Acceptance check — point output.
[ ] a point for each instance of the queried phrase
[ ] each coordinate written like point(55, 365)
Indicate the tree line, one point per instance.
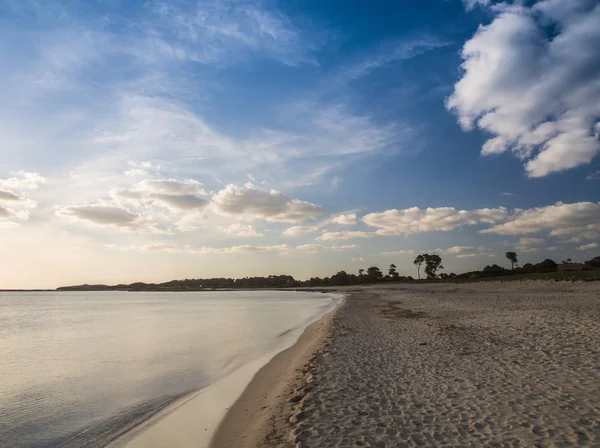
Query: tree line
point(373, 274)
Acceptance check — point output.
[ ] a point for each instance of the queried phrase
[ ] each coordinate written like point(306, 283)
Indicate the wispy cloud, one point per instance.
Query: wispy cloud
point(389, 52)
point(225, 31)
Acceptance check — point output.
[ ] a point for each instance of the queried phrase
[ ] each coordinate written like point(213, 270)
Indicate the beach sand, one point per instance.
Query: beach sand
point(256, 417)
point(513, 364)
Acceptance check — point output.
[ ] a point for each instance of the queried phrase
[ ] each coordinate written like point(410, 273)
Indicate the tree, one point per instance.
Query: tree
point(361, 272)
point(393, 273)
point(567, 261)
point(341, 278)
point(418, 262)
point(594, 262)
point(512, 256)
point(547, 265)
point(433, 262)
point(375, 273)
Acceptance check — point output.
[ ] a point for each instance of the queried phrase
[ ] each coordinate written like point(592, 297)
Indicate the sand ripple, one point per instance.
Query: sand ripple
point(499, 365)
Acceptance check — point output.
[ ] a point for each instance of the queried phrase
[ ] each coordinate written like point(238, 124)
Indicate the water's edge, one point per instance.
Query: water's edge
point(137, 432)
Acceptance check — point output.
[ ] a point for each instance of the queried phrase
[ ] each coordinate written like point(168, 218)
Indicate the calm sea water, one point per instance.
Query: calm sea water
point(79, 369)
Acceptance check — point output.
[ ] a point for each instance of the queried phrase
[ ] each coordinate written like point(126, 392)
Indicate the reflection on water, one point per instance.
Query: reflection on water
point(79, 368)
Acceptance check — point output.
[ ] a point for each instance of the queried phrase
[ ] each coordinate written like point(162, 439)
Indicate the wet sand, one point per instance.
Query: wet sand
point(513, 364)
point(256, 417)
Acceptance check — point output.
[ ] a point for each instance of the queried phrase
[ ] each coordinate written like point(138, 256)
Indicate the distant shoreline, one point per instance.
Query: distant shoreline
point(288, 283)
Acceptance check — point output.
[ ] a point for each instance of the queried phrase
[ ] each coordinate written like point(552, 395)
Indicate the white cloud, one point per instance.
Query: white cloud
point(529, 249)
point(346, 219)
point(415, 220)
point(476, 254)
point(559, 220)
point(536, 93)
point(23, 180)
point(463, 251)
point(457, 249)
point(358, 259)
point(12, 199)
point(16, 199)
point(341, 248)
point(588, 246)
point(584, 236)
point(282, 249)
point(7, 195)
point(109, 215)
point(176, 195)
point(141, 169)
point(345, 235)
point(526, 250)
point(300, 230)
point(594, 176)
point(8, 213)
point(531, 241)
point(241, 230)
point(191, 221)
point(244, 249)
point(305, 249)
point(250, 203)
point(507, 194)
point(399, 252)
point(155, 247)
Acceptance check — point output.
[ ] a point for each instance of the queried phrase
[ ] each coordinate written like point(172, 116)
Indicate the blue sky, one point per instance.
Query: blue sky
point(150, 140)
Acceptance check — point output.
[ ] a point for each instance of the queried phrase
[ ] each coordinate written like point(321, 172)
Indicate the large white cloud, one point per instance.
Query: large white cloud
point(177, 195)
point(561, 220)
point(415, 220)
point(531, 80)
point(110, 215)
point(251, 203)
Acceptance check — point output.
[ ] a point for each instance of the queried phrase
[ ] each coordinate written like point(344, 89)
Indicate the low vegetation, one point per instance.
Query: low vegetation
point(544, 270)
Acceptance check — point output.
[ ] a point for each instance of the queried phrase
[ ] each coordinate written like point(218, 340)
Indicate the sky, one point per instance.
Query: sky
point(156, 140)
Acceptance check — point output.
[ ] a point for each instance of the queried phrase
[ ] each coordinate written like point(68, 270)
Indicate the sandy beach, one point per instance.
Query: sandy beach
point(513, 364)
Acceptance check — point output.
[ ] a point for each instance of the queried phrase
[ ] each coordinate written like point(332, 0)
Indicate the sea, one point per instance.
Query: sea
point(81, 369)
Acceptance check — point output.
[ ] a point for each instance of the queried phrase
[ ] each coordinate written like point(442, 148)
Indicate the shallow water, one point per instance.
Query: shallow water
point(79, 369)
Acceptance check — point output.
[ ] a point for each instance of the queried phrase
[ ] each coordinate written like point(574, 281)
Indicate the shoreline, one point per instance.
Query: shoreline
point(259, 414)
point(194, 419)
